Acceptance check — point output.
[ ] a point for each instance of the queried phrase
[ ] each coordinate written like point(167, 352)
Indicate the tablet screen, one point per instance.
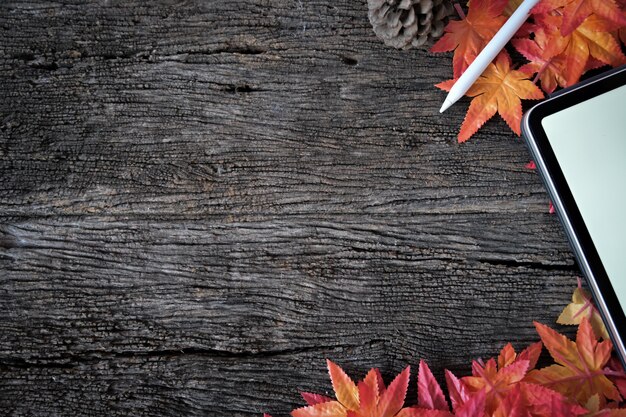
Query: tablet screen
point(589, 142)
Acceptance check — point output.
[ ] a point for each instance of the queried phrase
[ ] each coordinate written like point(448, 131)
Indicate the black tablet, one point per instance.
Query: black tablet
point(578, 141)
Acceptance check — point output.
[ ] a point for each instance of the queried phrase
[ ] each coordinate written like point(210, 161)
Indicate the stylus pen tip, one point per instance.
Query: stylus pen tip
point(446, 104)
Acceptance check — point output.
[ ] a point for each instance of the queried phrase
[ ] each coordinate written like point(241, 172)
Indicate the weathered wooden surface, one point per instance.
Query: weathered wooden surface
point(200, 201)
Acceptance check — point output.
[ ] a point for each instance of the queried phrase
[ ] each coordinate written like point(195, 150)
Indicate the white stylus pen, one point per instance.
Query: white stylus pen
point(487, 55)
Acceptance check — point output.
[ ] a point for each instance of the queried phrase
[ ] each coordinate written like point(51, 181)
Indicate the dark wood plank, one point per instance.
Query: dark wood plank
point(200, 201)
point(263, 286)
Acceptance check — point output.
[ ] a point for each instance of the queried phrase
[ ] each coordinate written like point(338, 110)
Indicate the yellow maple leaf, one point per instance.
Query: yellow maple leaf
point(582, 307)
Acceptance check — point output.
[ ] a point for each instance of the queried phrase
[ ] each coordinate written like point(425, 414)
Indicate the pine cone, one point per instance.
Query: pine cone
point(406, 24)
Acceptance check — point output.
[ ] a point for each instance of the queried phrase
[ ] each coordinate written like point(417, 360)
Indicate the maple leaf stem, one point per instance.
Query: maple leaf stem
point(459, 10)
point(558, 357)
point(588, 305)
point(611, 372)
point(541, 71)
point(481, 373)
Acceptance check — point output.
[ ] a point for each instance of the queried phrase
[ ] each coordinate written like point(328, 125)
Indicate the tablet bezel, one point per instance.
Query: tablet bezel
point(563, 200)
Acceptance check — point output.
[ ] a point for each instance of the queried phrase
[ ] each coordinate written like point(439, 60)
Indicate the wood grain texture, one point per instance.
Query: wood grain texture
point(200, 201)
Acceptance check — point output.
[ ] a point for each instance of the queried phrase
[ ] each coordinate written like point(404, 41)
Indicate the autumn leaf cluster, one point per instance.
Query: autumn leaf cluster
point(562, 40)
point(583, 380)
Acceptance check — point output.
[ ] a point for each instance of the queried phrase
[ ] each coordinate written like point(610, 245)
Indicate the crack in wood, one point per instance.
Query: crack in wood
point(73, 360)
point(512, 263)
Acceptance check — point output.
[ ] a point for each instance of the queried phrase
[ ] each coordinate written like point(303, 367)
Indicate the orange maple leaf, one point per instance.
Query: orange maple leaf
point(561, 60)
point(546, 59)
point(467, 37)
point(498, 379)
point(587, 40)
point(576, 11)
point(579, 372)
point(495, 382)
point(508, 356)
point(499, 89)
point(368, 398)
point(506, 393)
